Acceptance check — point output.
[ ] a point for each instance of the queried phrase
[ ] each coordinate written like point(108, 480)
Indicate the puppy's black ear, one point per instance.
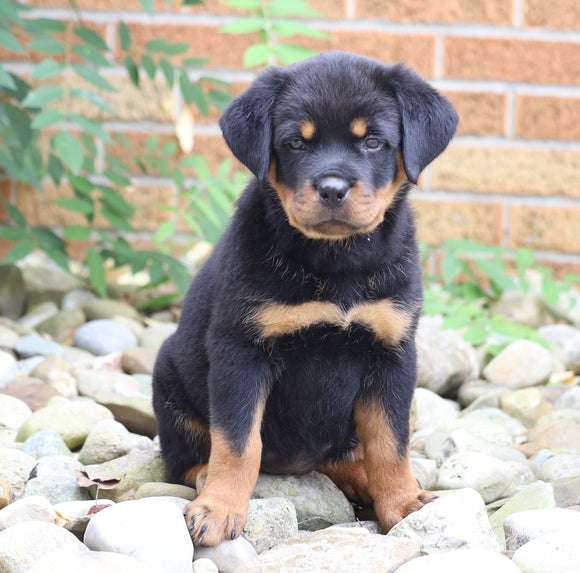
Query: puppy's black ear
point(246, 123)
point(428, 120)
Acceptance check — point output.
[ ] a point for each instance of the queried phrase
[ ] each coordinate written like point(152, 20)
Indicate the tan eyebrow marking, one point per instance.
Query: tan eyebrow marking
point(307, 129)
point(359, 126)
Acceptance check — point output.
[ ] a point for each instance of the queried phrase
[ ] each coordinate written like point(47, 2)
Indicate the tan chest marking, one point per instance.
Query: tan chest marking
point(389, 323)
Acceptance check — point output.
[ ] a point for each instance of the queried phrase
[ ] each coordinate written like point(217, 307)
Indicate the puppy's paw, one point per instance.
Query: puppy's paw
point(211, 520)
point(422, 498)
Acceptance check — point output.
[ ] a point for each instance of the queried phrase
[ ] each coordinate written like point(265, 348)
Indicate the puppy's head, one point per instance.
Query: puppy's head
point(336, 136)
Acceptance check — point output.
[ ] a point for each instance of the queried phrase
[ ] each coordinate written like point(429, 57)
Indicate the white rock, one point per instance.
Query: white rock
point(75, 509)
point(8, 368)
point(454, 521)
point(565, 341)
point(523, 363)
point(433, 410)
point(62, 561)
point(140, 528)
point(16, 466)
point(31, 508)
point(13, 413)
point(468, 560)
point(485, 474)
point(204, 566)
point(561, 466)
point(23, 544)
point(556, 552)
point(107, 440)
point(228, 555)
point(524, 526)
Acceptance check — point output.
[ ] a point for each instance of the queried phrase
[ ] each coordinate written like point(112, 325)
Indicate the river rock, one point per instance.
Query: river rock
point(34, 345)
point(12, 291)
point(8, 337)
point(318, 502)
point(13, 413)
point(139, 528)
point(31, 508)
point(455, 521)
point(270, 521)
point(23, 544)
point(432, 410)
point(107, 440)
point(76, 299)
point(65, 561)
point(45, 443)
point(99, 308)
point(444, 359)
point(335, 549)
point(8, 369)
point(557, 434)
point(139, 360)
point(102, 337)
point(561, 466)
point(526, 405)
point(37, 314)
point(32, 392)
point(524, 526)
point(228, 556)
point(565, 342)
point(15, 468)
point(474, 390)
point(555, 552)
point(160, 489)
point(73, 420)
point(472, 560)
point(155, 336)
point(569, 399)
point(62, 325)
point(523, 363)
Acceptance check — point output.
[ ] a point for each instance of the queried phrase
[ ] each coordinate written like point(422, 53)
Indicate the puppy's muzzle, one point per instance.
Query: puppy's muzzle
point(332, 191)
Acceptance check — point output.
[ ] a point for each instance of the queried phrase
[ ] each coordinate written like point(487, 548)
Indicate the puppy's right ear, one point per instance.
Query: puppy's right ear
point(246, 123)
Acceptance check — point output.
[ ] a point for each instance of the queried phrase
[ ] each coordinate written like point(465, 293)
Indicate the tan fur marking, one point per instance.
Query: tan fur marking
point(359, 126)
point(221, 509)
point(390, 483)
point(389, 324)
point(307, 129)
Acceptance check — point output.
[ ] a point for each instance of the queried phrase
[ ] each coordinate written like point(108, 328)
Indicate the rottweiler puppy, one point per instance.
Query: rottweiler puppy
point(295, 348)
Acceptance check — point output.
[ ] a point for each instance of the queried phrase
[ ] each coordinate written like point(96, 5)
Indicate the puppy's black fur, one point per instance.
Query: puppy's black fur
point(295, 349)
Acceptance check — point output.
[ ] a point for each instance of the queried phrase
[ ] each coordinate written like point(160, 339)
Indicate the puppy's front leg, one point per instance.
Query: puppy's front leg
point(237, 406)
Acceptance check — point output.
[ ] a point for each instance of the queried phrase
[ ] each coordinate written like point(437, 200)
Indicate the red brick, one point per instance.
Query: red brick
point(540, 117)
point(547, 228)
point(480, 113)
point(445, 11)
point(512, 60)
point(563, 16)
point(438, 221)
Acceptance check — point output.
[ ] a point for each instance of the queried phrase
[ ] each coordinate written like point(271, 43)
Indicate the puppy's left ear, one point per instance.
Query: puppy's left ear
point(246, 123)
point(428, 120)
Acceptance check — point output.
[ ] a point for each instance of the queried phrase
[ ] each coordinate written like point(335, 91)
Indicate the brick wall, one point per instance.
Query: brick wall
point(512, 68)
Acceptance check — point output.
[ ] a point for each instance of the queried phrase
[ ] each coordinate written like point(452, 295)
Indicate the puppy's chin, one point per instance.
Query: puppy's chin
point(333, 230)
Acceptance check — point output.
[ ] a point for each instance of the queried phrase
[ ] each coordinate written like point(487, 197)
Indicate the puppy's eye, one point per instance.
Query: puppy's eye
point(372, 142)
point(296, 144)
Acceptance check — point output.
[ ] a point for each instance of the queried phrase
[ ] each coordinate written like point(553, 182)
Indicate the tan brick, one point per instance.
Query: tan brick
point(489, 12)
point(41, 208)
point(417, 51)
point(438, 221)
point(549, 228)
point(548, 117)
point(563, 16)
point(517, 171)
point(479, 113)
point(512, 60)
point(112, 5)
point(223, 50)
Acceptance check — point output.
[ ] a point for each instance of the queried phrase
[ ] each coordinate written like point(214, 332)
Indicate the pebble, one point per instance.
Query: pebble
point(13, 413)
point(12, 291)
point(433, 410)
point(8, 337)
point(139, 360)
point(37, 314)
point(561, 466)
point(335, 549)
point(15, 468)
point(557, 552)
point(523, 363)
point(454, 521)
point(31, 508)
point(33, 345)
point(565, 342)
point(524, 526)
point(8, 369)
point(526, 405)
point(107, 440)
point(155, 336)
point(139, 528)
point(557, 434)
point(45, 443)
point(65, 561)
point(62, 325)
point(472, 560)
point(76, 299)
point(270, 521)
point(228, 556)
point(569, 399)
point(160, 489)
point(99, 308)
point(101, 337)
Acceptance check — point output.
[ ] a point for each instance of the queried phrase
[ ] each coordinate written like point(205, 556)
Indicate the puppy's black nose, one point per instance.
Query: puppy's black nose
point(332, 191)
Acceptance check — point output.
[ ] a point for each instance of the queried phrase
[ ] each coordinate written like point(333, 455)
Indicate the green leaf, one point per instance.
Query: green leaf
point(244, 4)
point(19, 251)
point(10, 42)
point(59, 256)
point(80, 184)
point(147, 5)
point(117, 221)
point(244, 26)
point(550, 290)
point(55, 168)
point(194, 62)
point(15, 215)
point(40, 26)
point(167, 70)
point(69, 150)
point(97, 271)
point(84, 206)
point(192, 93)
point(157, 45)
point(43, 96)
point(290, 54)
point(164, 232)
point(149, 65)
point(169, 149)
point(132, 70)
point(93, 98)
point(20, 123)
point(46, 118)
point(117, 178)
point(450, 268)
point(91, 38)
point(152, 143)
point(76, 233)
point(91, 127)
point(219, 98)
point(113, 200)
point(476, 335)
point(13, 233)
point(494, 270)
point(46, 69)
point(524, 259)
point(291, 8)
point(288, 28)
point(179, 275)
point(160, 301)
point(124, 36)
point(93, 77)
point(47, 239)
point(91, 55)
point(6, 80)
point(120, 138)
point(257, 55)
point(177, 48)
point(47, 46)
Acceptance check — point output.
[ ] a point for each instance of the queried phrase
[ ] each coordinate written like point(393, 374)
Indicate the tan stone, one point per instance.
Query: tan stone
point(480, 113)
point(542, 14)
point(547, 117)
